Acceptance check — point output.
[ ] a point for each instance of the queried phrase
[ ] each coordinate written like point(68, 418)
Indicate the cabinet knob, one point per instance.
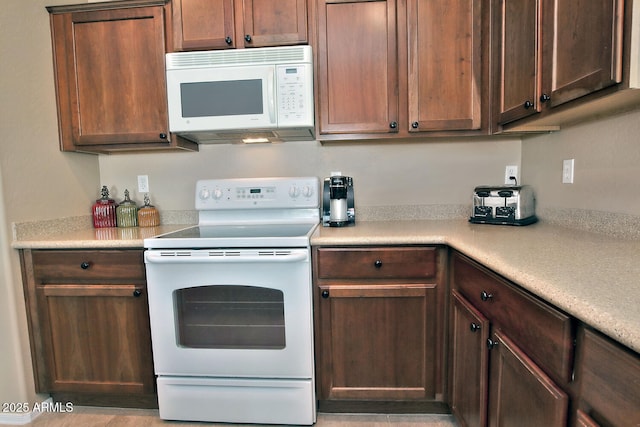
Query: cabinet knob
point(474, 327)
point(415, 125)
point(485, 296)
point(527, 105)
point(247, 38)
point(544, 97)
point(491, 343)
point(228, 40)
point(137, 293)
point(393, 125)
point(85, 265)
point(325, 294)
point(163, 135)
point(377, 263)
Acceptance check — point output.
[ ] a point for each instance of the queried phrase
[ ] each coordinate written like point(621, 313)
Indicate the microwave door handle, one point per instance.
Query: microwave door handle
point(271, 96)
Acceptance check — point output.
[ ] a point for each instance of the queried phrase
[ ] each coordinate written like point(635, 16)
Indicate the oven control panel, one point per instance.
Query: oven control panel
point(248, 193)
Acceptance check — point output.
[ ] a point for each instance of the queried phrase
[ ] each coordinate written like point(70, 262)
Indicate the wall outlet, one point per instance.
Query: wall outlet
point(567, 171)
point(143, 183)
point(511, 171)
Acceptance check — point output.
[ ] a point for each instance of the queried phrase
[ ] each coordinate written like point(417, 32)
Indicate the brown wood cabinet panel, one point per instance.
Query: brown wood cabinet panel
point(380, 342)
point(110, 77)
point(272, 23)
point(520, 394)
point(357, 79)
point(224, 24)
point(517, 31)
point(89, 327)
point(609, 380)
point(544, 333)
point(203, 24)
point(582, 42)
point(445, 64)
point(61, 266)
point(377, 263)
point(469, 363)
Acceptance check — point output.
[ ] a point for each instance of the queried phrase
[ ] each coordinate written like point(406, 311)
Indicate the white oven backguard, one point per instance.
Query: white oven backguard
point(282, 275)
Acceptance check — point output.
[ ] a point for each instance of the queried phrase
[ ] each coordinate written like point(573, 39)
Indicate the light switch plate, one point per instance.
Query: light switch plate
point(567, 171)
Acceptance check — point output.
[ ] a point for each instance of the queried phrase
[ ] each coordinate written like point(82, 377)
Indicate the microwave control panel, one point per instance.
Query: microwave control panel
point(295, 95)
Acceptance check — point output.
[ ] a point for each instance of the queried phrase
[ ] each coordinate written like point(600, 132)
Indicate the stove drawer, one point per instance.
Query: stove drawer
point(113, 266)
point(377, 263)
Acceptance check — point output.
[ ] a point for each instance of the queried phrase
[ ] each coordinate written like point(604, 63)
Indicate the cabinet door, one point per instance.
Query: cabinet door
point(469, 363)
point(110, 77)
point(445, 64)
point(520, 393)
point(98, 338)
point(274, 23)
point(203, 24)
point(357, 67)
point(518, 58)
point(582, 42)
point(377, 341)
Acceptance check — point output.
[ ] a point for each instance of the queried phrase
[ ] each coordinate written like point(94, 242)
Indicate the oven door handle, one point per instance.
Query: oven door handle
point(178, 257)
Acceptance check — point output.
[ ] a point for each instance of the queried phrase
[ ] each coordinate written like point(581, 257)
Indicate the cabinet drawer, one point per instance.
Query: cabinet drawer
point(85, 266)
point(376, 263)
point(543, 332)
point(609, 377)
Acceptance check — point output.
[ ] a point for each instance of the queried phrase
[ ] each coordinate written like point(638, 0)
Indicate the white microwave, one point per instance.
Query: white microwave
point(250, 95)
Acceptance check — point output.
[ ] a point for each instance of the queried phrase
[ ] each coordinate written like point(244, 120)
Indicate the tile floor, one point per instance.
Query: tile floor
point(116, 417)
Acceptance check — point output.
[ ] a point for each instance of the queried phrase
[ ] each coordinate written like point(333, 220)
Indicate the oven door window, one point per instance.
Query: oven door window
point(230, 317)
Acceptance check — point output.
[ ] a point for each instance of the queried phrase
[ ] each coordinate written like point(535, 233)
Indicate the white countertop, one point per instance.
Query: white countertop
point(591, 276)
point(594, 277)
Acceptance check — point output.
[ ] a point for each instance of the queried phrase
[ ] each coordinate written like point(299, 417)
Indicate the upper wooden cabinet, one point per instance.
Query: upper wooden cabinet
point(549, 52)
point(110, 76)
point(225, 24)
point(390, 68)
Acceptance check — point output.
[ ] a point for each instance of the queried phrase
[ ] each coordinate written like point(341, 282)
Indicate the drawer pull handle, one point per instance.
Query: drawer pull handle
point(491, 343)
point(325, 294)
point(485, 296)
point(377, 264)
point(85, 265)
point(474, 327)
point(137, 293)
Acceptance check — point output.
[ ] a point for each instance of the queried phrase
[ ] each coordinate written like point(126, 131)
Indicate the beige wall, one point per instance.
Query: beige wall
point(37, 181)
point(384, 174)
point(607, 166)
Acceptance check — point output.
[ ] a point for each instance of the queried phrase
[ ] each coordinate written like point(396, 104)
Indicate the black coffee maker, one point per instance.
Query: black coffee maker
point(337, 201)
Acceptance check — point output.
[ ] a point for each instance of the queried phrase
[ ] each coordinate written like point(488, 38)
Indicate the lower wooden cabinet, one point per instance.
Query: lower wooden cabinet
point(608, 378)
point(89, 326)
point(495, 379)
point(379, 328)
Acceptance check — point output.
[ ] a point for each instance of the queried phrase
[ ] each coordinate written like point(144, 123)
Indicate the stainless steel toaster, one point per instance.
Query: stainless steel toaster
point(508, 205)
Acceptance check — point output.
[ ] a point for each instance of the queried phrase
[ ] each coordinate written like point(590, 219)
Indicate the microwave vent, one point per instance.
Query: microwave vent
point(238, 57)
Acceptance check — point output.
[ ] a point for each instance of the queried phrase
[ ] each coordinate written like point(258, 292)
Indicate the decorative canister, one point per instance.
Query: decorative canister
point(148, 215)
point(127, 212)
point(104, 210)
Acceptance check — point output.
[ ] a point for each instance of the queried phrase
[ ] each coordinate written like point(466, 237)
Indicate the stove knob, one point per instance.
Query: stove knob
point(307, 191)
point(217, 194)
point(204, 194)
point(294, 191)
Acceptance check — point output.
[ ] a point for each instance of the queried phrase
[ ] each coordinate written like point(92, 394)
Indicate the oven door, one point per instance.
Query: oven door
point(231, 313)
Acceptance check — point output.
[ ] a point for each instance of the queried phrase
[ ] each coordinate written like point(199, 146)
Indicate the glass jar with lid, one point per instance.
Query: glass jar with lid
point(104, 210)
point(148, 215)
point(127, 212)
